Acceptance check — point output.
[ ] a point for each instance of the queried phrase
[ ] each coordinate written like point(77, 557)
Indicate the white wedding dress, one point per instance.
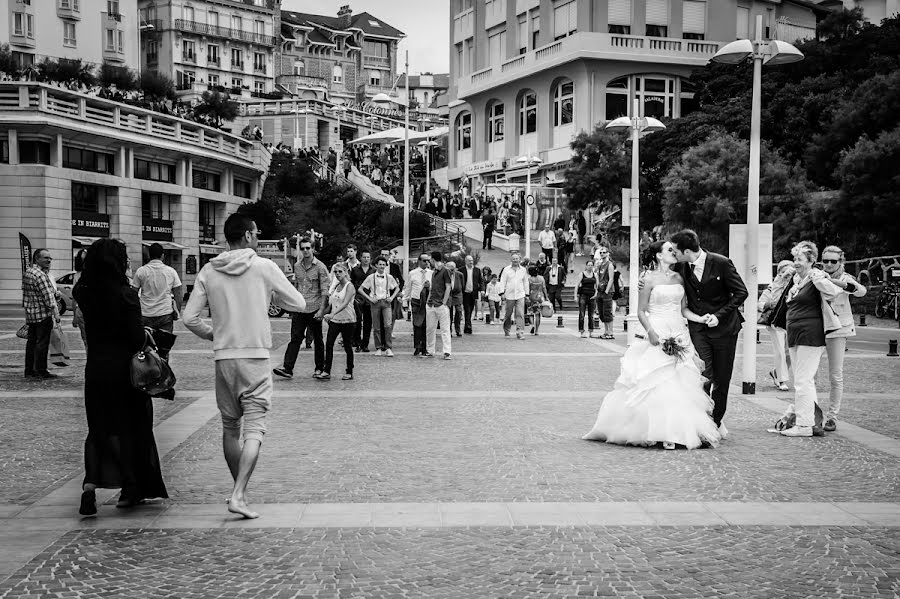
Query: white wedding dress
point(657, 397)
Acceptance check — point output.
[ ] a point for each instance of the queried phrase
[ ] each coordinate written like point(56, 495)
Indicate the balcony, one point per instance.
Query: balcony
point(112, 17)
point(586, 46)
point(224, 32)
point(259, 68)
point(376, 61)
point(214, 62)
point(372, 90)
point(68, 9)
point(303, 81)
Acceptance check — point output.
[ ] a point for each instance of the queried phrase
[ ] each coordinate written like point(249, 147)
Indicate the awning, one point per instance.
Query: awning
point(84, 240)
point(167, 245)
point(211, 248)
point(383, 137)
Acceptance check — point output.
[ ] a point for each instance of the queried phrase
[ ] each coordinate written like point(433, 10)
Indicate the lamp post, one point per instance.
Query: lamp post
point(528, 161)
point(771, 52)
point(296, 111)
point(338, 110)
point(426, 147)
point(637, 126)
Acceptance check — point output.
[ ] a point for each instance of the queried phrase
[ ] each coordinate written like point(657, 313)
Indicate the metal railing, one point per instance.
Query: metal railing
point(225, 32)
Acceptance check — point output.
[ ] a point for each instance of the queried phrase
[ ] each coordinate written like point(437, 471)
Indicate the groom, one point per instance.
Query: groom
point(714, 288)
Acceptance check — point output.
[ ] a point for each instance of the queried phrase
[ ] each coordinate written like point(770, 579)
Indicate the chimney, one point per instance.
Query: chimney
point(344, 15)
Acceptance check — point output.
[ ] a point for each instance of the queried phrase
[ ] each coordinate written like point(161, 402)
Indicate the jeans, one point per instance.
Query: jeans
point(363, 331)
point(555, 295)
point(469, 299)
point(779, 351)
point(488, 238)
point(38, 346)
point(166, 322)
point(585, 308)
point(495, 307)
point(805, 361)
point(835, 348)
point(456, 317)
point(382, 316)
point(345, 330)
point(302, 324)
point(433, 316)
point(516, 307)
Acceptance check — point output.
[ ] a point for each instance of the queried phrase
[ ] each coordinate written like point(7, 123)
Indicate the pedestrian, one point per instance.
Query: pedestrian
point(488, 223)
point(358, 275)
point(437, 311)
point(547, 241)
point(503, 218)
point(492, 293)
point(39, 298)
point(456, 296)
point(394, 269)
point(836, 341)
point(586, 290)
point(159, 288)
point(415, 295)
point(555, 281)
point(537, 295)
point(571, 240)
point(312, 281)
point(472, 287)
point(514, 289)
point(237, 286)
point(341, 318)
point(605, 272)
point(562, 250)
point(582, 231)
point(120, 450)
point(77, 315)
point(379, 290)
point(772, 314)
point(806, 326)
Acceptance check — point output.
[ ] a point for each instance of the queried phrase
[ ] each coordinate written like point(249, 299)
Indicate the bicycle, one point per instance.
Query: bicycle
point(888, 303)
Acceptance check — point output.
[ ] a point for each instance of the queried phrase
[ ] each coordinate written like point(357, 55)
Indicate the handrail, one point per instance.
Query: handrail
point(226, 32)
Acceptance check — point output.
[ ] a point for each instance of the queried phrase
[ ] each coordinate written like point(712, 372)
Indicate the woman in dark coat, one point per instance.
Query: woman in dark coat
point(120, 451)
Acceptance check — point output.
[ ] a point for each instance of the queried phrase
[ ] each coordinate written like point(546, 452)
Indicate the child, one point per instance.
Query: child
point(493, 297)
point(536, 296)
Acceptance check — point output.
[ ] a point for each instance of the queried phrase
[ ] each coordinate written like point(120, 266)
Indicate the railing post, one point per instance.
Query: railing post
point(117, 116)
point(82, 108)
point(148, 123)
point(177, 130)
point(24, 100)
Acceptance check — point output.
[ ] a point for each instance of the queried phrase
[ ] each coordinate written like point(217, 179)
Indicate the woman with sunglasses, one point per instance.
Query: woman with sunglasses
point(836, 341)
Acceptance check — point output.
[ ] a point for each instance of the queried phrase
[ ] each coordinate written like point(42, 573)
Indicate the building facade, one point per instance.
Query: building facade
point(75, 167)
point(91, 30)
point(874, 11)
point(528, 75)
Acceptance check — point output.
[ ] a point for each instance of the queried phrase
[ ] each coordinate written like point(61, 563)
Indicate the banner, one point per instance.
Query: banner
point(25, 251)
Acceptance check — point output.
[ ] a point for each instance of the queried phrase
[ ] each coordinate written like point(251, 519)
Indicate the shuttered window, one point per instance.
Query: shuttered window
point(565, 19)
point(620, 12)
point(657, 12)
point(694, 17)
point(743, 23)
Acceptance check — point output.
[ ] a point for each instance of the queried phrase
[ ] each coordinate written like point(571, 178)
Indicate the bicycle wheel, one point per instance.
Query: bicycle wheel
point(880, 307)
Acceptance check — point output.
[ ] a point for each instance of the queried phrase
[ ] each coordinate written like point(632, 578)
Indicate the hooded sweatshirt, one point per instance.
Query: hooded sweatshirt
point(238, 286)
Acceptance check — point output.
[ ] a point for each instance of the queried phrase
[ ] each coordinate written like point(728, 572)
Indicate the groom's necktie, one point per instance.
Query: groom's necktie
point(694, 271)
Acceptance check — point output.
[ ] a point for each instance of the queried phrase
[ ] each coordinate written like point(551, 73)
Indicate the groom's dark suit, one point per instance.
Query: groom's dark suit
point(720, 292)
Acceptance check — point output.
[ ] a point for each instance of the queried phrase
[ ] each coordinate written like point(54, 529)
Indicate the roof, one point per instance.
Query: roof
point(440, 80)
point(363, 21)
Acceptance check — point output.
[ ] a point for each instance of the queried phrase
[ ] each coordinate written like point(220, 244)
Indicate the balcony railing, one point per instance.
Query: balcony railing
point(381, 61)
point(224, 32)
point(303, 81)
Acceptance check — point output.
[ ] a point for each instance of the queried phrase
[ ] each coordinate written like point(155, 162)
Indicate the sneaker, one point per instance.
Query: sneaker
point(520, 336)
point(417, 353)
point(830, 425)
point(365, 350)
point(818, 431)
point(447, 356)
point(798, 431)
point(532, 330)
point(506, 333)
point(388, 353)
point(283, 372)
point(782, 387)
point(347, 377)
point(427, 354)
point(88, 505)
point(316, 374)
point(378, 353)
point(583, 335)
point(668, 445)
point(324, 376)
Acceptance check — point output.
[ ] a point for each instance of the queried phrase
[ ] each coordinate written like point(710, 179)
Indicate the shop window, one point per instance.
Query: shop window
point(89, 198)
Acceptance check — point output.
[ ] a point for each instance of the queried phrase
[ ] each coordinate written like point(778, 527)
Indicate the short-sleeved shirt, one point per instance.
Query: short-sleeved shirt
point(155, 282)
point(440, 282)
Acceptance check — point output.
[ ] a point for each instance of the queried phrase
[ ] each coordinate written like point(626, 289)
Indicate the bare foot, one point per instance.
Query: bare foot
point(241, 507)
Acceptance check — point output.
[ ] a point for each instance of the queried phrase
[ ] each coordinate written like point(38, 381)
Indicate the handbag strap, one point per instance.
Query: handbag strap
point(148, 339)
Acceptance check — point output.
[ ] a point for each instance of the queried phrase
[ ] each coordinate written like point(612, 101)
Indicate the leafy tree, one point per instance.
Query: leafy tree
point(841, 24)
point(601, 167)
point(217, 106)
point(157, 86)
point(113, 75)
point(48, 70)
point(7, 64)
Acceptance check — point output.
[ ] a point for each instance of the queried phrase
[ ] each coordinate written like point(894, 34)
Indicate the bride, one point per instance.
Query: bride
point(658, 397)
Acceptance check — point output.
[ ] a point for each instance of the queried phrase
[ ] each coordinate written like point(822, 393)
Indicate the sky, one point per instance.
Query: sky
point(425, 23)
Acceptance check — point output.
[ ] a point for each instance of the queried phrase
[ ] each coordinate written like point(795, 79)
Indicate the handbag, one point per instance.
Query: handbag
point(22, 333)
point(59, 347)
point(546, 309)
point(149, 372)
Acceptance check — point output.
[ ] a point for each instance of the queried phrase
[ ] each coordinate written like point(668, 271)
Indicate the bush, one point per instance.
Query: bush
point(122, 77)
point(157, 86)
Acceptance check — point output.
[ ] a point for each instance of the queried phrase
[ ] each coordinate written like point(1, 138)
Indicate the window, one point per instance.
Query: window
point(155, 205)
point(213, 19)
point(112, 7)
point(152, 51)
point(619, 13)
point(88, 160)
point(337, 74)
point(523, 35)
point(658, 12)
point(495, 123)
point(34, 152)
point(69, 4)
point(237, 24)
point(120, 37)
point(188, 51)
point(212, 55)
point(259, 62)
point(374, 77)
point(565, 19)
point(299, 67)
point(375, 49)
point(23, 24)
point(187, 13)
point(213, 79)
point(89, 198)
point(259, 87)
point(208, 218)
point(528, 113)
point(259, 27)
point(205, 180)
point(242, 188)
point(496, 44)
point(535, 29)
point(68, 33)
point(693, 19)
point(111, 40)
point(237, 58)
point(563, 104)
point(743, 23)
point(464, 131)
point(4, 151)
point(154, 171)
point(188, 78)
point(460, 63)
point(237, 83)
point(620, 29)
point(658, 96)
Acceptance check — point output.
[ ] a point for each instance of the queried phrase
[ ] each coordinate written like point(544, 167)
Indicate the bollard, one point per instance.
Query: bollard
point(625, 325)
point(559, 323)
point(862, 320)
point(892, 348)
point(596, 322)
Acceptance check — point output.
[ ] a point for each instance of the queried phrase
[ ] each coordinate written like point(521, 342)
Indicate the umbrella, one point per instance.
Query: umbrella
point(382, 137)
point(430, 134)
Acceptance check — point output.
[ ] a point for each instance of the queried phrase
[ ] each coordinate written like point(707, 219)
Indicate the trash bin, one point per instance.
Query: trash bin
point(514, 242)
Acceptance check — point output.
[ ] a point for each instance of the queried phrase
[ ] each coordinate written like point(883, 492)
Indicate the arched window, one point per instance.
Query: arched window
point(564, 103)
point(464, 131)
point(337, 74)
point(528, 113)
point(495, 122)
point(299, 67)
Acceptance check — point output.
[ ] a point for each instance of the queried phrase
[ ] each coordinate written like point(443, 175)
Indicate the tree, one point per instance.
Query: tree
point(841, 24)
point(157, 86)
point(122, 78)
point(217, 106)
point(601, 167)
point(7, 63)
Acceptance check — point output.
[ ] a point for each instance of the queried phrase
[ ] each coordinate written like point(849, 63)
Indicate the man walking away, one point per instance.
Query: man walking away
point(488, 223)
point(157, 283)
point(471, 289)
point(238, 286)
point(41, 312)
point(312, 281)
point(379, 290)
point(416, 296)
point(438, 311)
point(514, 288)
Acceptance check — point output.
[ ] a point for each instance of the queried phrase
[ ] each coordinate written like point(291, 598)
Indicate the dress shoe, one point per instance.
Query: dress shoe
point(88, 504)
point(47, 375)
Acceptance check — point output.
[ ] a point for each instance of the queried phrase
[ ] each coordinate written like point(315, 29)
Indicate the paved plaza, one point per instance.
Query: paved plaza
point(468, 478)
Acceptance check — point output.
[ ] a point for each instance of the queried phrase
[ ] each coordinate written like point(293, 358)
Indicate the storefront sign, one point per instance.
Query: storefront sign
point(157, 229)
point(486, 166)
point(90, 224)
point(190, 265)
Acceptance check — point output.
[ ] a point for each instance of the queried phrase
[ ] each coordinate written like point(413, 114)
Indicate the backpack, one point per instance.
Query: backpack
point(617, 285)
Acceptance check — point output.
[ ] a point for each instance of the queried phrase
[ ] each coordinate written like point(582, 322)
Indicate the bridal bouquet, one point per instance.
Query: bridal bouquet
point(672, 346)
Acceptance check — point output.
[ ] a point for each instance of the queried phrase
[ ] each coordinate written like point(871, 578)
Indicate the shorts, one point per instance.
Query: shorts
point(244, 393)
point(605, 307)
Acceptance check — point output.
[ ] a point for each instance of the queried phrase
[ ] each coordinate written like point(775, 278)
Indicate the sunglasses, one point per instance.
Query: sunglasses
point(830, 261)
point(306, 249)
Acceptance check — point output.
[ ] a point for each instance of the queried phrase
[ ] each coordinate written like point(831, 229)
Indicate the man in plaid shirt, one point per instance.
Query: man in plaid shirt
point(41, 311)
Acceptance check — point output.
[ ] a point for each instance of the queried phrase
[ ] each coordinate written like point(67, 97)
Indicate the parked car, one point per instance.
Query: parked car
point(64, 285)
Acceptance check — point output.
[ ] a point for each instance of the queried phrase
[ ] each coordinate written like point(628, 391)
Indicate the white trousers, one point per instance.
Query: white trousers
point(835, 348)
point(779, 351)
point(805, 362)
point(433, 316)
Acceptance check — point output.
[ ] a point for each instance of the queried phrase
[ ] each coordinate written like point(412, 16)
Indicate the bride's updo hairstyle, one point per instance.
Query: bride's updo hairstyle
point(648, 258)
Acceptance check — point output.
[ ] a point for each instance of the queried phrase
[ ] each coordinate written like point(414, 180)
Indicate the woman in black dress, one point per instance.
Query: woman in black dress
point(120, 451)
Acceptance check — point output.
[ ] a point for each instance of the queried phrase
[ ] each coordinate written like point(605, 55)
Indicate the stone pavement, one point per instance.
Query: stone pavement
point(468, 478)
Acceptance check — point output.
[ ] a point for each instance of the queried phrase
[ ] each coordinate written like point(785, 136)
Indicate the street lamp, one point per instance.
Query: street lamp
point(528, 161)
point(338, 110)
point(637, 126)
point(426, 147)
point(296, 111)
point(772, 52)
